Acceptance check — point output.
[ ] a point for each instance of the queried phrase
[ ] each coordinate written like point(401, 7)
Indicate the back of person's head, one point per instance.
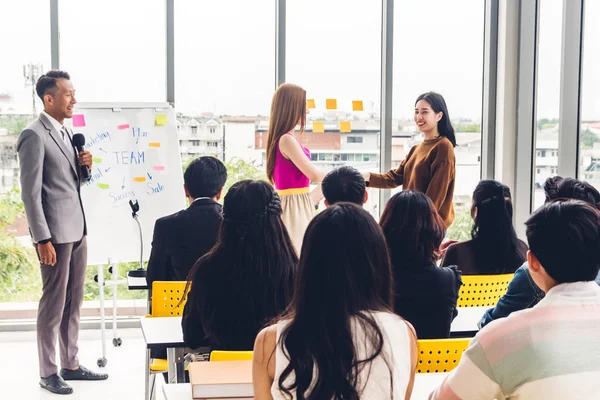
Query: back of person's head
point(344, 273)
point(247, 278)
point(493, 231)
point(564, 236)
point(557, 187)
point(413, 229)
point(344, 184)
point(205, 177)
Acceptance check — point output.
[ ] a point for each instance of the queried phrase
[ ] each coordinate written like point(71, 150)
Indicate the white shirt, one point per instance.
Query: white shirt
point(60, 128)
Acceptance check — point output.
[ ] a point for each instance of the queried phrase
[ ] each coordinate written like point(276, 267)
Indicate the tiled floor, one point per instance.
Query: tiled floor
point(19, 367)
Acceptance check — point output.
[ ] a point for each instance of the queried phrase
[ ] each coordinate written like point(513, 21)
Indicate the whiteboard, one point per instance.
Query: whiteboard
point(136, 156)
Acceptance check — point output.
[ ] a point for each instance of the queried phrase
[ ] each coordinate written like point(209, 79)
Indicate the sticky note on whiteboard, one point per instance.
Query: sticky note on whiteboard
point(160, 119)
point(78, 120)
point(310, 103)
point(357, 105)
point(345, 126)
point(331, 104)
point(318, 126)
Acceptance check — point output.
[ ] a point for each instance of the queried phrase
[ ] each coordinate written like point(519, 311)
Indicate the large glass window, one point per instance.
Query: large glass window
point(547, 96)
point(589, 166)
point(26, 55)
point(225, 77)
point(334, 52)
point(114, 50)
point(438, 46)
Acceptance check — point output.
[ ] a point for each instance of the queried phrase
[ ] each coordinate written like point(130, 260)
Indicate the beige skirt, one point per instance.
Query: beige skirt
point(297, 212)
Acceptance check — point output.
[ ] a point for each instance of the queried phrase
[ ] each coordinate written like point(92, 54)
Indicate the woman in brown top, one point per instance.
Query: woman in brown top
point(494, 247)
point(430, 166)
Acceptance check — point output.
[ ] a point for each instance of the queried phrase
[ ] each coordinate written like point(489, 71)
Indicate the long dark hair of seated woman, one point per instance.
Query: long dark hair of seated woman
point(413, 230)
point(344, 272)
point(247, 278)
point(495, 241)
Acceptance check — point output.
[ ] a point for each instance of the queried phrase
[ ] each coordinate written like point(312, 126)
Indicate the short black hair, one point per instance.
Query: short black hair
point(344, 184)
point(205, 177)
point(47, 82)
point(564, 235)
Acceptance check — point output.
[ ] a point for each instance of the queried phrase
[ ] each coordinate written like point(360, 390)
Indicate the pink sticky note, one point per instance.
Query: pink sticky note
point(124, 126)
point(159, 167)
point(78, 120)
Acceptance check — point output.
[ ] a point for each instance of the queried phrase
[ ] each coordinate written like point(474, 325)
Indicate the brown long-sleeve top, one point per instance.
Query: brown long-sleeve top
point(430, 168)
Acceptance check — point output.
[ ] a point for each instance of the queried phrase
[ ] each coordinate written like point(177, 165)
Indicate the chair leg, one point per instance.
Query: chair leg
point(149, 389)
point(153, 388)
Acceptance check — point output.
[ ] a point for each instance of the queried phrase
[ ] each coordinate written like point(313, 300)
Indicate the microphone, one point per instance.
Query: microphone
point(79, 142)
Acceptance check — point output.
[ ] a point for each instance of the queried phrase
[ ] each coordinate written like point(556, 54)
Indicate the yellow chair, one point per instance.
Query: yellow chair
point(168, 300)
point(220, 355)
point(439, 355)
point(482, 290)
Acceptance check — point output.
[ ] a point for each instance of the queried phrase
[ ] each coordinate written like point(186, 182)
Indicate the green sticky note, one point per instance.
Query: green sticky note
point(97, 160)
point(160, 119)
point(103, 186)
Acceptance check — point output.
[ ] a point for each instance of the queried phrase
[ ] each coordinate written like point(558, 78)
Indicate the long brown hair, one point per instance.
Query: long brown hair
point(287, 109)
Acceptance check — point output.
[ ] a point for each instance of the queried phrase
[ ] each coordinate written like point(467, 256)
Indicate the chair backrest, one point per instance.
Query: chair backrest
point(439, 355)
point(168, 299)
point(482, 290)
point(220, 355)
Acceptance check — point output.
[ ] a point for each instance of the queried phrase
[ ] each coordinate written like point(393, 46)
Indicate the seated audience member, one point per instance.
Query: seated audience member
point(339, 339)
point(247, 278)
point(522, 291)
point(549, 352)
point(494, 247)
point(344, 184)
point(182, 238)
point(425, 294)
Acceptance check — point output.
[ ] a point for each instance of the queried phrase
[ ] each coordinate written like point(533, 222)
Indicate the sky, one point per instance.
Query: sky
point(225, 52)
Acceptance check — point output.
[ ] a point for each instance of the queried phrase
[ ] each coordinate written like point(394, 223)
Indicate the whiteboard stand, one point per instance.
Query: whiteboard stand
point(113, 269)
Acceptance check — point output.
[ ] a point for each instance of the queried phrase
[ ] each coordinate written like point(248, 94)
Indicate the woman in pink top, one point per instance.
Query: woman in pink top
point(288, 162)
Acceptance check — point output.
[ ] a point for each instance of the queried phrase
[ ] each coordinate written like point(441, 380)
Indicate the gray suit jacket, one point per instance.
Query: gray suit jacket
point(50, 184)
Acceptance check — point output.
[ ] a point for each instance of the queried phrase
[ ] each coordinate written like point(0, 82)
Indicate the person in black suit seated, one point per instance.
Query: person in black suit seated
point(247, 279)
point(344, 184)
point(425, 294)
point(180, 239)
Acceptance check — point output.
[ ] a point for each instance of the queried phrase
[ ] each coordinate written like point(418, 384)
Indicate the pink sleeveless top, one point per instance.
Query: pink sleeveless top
point(286, 175)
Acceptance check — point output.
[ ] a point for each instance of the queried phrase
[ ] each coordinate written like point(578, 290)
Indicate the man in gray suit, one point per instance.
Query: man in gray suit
point(50, 184)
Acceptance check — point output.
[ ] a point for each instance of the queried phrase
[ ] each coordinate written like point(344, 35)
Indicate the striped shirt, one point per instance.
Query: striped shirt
point(549, 352)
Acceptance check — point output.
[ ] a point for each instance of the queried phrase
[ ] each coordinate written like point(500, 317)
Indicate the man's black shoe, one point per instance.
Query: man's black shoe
point(55, 384)
point(82, 374)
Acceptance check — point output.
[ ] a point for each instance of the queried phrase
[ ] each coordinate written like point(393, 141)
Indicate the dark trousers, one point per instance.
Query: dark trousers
point(59, 307)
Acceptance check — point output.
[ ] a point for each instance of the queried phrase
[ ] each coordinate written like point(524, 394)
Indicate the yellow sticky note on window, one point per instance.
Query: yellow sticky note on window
point(345, 126)
point(357, 105)
point(160, 119)
point(318, 126)
point(331, 104)
point(310, 103)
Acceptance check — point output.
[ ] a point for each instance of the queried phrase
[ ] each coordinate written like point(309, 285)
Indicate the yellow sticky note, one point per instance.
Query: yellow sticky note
point(357, 105)
point(331, 104)
point(345, 126)
point(318, 126)
point(310, 103)
point(154, 144)
point(161, 119)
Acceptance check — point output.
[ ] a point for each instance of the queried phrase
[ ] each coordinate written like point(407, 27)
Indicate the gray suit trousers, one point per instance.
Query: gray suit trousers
point(59, 308)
